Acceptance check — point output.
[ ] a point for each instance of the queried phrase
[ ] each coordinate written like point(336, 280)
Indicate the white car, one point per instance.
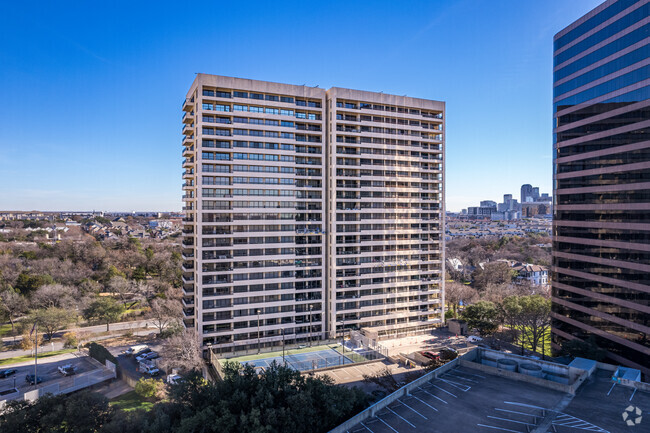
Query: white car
point(474, 339)
point(145, 356)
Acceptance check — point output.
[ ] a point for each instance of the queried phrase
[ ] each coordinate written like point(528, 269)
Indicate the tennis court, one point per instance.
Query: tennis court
point(302, 359)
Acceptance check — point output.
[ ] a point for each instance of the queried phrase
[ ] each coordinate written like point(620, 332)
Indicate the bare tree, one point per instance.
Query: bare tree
point(55, 295)
point(457, 293)
point(164, 312)
point(182, 351)
point(121, 288)
point(14, 304)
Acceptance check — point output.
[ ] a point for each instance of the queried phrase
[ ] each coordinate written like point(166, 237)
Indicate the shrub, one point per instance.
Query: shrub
point(70, 340)
point(151, 389)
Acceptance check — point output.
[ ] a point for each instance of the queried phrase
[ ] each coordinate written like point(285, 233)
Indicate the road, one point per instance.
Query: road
point(96, 329)
point(58, 345)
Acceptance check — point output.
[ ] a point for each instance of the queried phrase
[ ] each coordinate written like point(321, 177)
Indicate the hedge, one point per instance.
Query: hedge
point(100, 353)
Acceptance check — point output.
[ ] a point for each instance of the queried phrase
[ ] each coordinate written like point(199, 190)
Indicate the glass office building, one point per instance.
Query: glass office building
point(601, 244)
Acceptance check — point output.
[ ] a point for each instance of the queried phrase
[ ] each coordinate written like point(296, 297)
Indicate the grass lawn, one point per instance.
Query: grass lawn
point(5, 330)
point(40, 356)
point(277, 353)
point(130, 401)
point(546, 341)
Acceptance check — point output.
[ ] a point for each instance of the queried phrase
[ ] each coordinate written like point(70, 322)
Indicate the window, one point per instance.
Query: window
point(240, 108)
point(208, 92)
point(286, 112)
point(287, 123)
point(272, 111)
point(288, 99)
point(272, 98)
point(238, 94)
point(223, 94)
point(301, 103)
point(256, 96)
point(313, 104)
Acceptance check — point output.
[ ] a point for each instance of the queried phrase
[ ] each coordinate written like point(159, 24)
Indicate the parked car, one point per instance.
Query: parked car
point(30, 379)
point(474, 339)
point(141, 352)
point(148, 355)
point(8, 372)
point(150, 370)
point(135, 349)
point(431, 355)
point(67, 370)
point(173, 379)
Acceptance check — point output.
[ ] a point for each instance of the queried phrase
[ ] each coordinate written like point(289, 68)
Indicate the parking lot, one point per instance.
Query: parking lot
point(460, 400)
point(434, 341)
point(47, 371)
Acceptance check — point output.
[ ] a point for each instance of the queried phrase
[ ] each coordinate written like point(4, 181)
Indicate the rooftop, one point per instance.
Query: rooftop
point(467, 396)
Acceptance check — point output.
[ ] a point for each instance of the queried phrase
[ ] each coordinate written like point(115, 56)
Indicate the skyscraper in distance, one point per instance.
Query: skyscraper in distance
point(310, 210)
point(601, 242)
point(526, 191)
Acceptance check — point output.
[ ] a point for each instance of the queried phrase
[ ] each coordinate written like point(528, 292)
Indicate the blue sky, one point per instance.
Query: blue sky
point(92, 91)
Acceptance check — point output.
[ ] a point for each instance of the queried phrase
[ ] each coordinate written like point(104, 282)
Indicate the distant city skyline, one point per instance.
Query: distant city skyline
point(91, 121)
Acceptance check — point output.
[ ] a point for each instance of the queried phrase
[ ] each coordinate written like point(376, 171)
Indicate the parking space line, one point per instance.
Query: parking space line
point(461, 377)
point(514, 411)
point(457, 385)
point(633, 392)
point(434, 396)
point(388, 425)
point(498, 428)
point(413, 409)
point(610, 389)
point(444, 390)
point(403, 419)
point(524, 405)
point(470, 374)
point(366, 427)
point(509, 420)
point(424, 402)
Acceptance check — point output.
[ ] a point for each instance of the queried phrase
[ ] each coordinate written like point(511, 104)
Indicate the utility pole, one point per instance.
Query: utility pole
point(35, 354)
point(310, 308)
point(258, 331)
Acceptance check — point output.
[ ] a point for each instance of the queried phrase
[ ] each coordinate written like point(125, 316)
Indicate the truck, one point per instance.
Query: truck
point(149, 368)
point(135, 349)
point(67, 370)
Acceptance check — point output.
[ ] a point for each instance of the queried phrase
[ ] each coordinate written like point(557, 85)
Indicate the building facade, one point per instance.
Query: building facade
point(601, 242)
point(308, 211)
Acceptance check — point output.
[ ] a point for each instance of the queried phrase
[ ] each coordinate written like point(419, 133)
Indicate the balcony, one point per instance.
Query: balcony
point(188, 140)
point(188, 301)
point(188, 151)
point(188, 117)
point(188, 174)
point(188, 105)
point(188, 162)
point(188, 130)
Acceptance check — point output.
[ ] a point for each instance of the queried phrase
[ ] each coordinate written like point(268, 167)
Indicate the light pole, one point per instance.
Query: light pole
point(310, 308)
point(283, 361)
point(209, 345)
point(258, 330)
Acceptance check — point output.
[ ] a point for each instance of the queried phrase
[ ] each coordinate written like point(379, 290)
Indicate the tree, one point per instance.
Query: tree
point(54, 295)
point(79, 412)
point(482, 315)
point(122, 288)
point(384, 379)
point(164, 312)
point(50, 320)
point(536, 319)
point(13, 304)
point(182, 351)
point(492, 273)
point(104, 309)
point(26, 283)
point(457, 293)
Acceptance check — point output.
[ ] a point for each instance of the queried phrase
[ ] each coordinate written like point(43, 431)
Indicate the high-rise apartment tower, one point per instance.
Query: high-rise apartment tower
point(309, 210)
point(601, 243)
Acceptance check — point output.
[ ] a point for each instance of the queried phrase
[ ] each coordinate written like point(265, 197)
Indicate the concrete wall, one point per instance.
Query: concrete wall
point(403, 391)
